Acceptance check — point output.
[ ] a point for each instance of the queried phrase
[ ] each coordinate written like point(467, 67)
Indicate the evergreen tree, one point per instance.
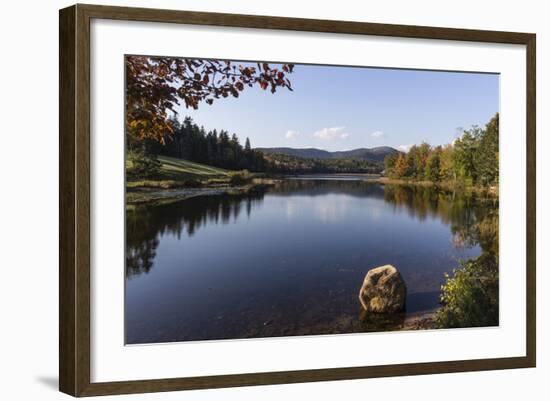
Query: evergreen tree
point(191, 142)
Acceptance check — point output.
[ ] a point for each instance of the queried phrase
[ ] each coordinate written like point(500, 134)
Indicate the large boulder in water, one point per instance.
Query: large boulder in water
point(383, 290)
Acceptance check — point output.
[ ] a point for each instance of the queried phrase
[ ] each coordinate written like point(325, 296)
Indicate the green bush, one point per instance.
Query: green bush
point(240, 178)
point(141, 165)
point(470, 297)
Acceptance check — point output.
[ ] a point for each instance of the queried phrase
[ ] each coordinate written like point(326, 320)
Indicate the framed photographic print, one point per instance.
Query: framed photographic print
point(251, 200)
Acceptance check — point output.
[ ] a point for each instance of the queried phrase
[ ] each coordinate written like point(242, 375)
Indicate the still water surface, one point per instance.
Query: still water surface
point(288, 260)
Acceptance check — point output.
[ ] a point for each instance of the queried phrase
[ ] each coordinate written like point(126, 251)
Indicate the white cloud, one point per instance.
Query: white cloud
point(404, 148)
point(291, 134)
point(329, 134)
point(377, 134)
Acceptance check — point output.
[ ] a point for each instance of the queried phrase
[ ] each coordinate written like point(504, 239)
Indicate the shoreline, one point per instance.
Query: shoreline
point(141, 195)
point(445, 185)
point(160, 191)
point(420, 321)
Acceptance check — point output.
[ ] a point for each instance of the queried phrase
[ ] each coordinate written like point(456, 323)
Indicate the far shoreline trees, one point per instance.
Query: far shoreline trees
point(473, 159)
point(221, 149)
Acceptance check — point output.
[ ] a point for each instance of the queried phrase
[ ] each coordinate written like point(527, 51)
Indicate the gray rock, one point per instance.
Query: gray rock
point(383, 290)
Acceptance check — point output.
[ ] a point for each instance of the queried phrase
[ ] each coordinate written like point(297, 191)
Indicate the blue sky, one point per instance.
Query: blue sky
point(341, 108)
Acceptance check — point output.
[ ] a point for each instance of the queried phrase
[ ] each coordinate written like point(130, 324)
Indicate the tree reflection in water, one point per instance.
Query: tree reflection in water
point(472, 218)
point(145, 223)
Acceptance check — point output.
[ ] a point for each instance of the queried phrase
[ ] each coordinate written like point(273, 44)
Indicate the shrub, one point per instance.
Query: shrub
point(240, 178)
point(470, 297)
point(141, 165)
point(192, 183)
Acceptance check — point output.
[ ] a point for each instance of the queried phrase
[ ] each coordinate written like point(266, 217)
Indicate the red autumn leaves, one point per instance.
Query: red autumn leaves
point(155, 85)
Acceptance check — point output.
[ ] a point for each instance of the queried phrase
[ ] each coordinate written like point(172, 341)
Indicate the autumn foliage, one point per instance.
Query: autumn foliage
point(472, 159)
point(156, 85)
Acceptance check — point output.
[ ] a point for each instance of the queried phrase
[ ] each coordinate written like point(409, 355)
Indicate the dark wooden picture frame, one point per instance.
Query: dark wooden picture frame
point(74, 203)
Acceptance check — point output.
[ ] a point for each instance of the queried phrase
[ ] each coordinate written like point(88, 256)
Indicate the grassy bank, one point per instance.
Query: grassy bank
point(174, 173)
point(163, 196)
point(178, 168)
point(179, 179)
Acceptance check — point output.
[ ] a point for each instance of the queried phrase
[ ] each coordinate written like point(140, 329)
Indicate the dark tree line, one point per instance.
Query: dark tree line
point(215, 148)
point(286, 164)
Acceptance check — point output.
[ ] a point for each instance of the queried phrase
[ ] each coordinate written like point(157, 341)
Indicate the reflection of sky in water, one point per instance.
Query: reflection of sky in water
point(329, 209)
point(332, 208)
point(295, 257)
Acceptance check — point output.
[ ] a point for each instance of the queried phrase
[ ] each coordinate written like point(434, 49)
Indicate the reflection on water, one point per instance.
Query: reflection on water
point(145, 224)
point(290, 260)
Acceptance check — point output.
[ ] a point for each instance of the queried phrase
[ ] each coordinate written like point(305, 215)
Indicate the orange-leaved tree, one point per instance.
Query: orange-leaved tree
point(156, 85)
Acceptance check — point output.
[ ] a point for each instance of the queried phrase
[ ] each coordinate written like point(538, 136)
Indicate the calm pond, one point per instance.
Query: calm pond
point(290, 260)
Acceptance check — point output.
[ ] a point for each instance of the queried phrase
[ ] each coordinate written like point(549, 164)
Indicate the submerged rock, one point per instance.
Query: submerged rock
point(383, 290)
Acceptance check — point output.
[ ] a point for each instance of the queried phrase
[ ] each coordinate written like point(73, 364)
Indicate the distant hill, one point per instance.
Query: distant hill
point(375, 155)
